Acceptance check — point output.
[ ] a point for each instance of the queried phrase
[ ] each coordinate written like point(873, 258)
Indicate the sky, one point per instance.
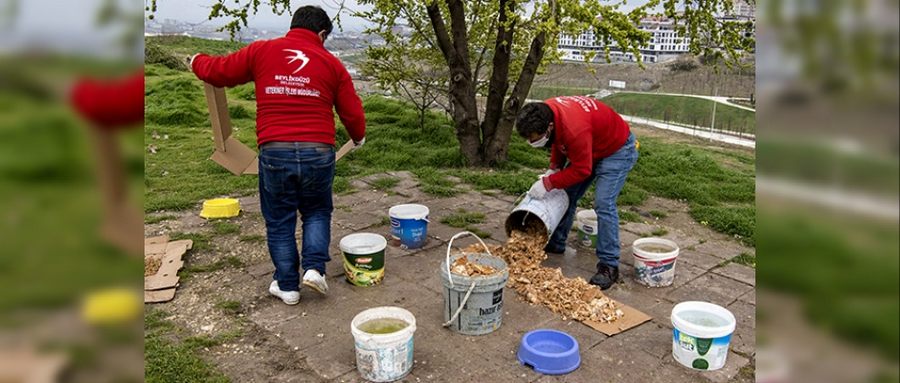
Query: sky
point(197, 11)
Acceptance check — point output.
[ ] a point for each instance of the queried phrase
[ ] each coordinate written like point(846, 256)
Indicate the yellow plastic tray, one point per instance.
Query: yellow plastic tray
point(220, 208)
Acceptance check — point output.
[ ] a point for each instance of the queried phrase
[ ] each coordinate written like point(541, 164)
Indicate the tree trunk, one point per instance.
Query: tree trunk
point(498, 85)
point(497, 147)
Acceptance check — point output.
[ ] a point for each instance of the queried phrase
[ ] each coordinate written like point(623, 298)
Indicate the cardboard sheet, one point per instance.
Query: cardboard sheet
point(160, 287)
point(232, 154)
point(632, 319)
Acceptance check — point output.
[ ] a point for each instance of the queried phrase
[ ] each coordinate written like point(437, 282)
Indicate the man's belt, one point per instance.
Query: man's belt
point(295, 145)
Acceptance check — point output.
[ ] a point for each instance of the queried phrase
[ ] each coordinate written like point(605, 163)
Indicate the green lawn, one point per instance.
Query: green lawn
point(543, 92)
point(684, 110)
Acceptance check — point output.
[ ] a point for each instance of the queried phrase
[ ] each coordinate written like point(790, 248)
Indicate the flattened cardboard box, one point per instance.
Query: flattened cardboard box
point(631, 319)
point(230, 153)
point(160, 287)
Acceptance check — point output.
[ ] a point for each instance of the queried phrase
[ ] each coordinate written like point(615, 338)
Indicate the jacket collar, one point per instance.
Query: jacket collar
point(305, 35)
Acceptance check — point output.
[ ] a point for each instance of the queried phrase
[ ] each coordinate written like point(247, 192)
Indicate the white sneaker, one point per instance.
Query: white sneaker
point(288, 297)
point(316, 281)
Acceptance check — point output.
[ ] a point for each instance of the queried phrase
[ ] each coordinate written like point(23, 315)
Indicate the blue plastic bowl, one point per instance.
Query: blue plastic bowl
point(549, 352)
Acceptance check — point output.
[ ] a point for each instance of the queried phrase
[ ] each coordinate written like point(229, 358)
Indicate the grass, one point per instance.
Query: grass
point(745, 259)
point(463, 218)
point(385, 183)
point(252, 238)
point(224, 227)
point(201, 240)
point(659, 232)
point(229, 261)
point(683, 110)
point(545, 92)
point(629, 216)
point(169, 360)
point(229, 306)
point(658, 214)
point(151, 219)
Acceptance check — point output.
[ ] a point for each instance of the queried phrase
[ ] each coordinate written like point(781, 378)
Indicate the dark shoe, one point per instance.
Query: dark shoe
point(555, 251)
point(606, 276)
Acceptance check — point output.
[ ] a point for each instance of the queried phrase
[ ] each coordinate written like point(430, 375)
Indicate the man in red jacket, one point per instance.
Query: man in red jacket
point(589, 141)
point(299, 84)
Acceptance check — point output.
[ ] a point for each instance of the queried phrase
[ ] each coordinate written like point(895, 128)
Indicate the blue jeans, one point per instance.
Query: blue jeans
point(292, 180)
point(610, 174)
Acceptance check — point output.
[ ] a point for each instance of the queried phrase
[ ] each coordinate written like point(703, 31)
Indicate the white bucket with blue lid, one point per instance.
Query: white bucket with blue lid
point(409, 225)
point(701, 335)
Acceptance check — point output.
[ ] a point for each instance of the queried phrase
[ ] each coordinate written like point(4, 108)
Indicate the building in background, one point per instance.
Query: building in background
point(665, 44)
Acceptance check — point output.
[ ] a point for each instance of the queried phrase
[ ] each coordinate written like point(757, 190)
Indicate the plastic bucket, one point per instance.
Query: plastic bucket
point(409, 225)
point(473, 305)
point(654, 268)
point(384, 357)
point(363, 258)
point(548, 210)
point(701, 335)
point(586, 221)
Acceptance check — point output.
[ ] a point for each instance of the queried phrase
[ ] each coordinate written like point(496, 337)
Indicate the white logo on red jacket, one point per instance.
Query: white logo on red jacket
point(298, 55)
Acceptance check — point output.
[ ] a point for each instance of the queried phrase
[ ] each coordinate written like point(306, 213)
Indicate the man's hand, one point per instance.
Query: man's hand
point(358, 144)
point(538, 190)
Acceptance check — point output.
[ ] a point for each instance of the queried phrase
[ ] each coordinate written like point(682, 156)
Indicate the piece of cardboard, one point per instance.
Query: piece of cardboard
point(232, 154)
point(160, 287)
point(348, 146)
point(237, 157)
point(631, 319)
point(29, 365)
point(158, 296)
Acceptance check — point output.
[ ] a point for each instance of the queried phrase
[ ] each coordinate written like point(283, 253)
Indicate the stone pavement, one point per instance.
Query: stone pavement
point(318, 328)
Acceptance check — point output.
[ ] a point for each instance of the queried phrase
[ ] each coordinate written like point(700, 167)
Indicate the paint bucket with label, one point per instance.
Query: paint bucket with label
point(654, 261)
point(409, 225)
point(701, 335)
point(363, 258)
point(548, 211)
point(473, 305)
point(384, 354)
point(586, 222)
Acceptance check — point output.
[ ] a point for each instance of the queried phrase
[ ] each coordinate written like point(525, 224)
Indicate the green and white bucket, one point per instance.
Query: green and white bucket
point(586, 221)
point(364, 258)
point(701, 335)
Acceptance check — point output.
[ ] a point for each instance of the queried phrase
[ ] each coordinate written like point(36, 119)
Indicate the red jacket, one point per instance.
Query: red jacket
point(298, 85)
point(110, 104)
point(586, 130)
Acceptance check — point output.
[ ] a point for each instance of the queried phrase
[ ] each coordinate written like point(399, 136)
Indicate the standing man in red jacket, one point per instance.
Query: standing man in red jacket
point(598, 146)
point(299, 84)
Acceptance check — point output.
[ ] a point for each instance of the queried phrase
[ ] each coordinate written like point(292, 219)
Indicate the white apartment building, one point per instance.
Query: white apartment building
point(664, 44)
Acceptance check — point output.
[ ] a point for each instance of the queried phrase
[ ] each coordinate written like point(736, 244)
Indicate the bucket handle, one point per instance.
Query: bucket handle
point(461, 305)
point(450, 245)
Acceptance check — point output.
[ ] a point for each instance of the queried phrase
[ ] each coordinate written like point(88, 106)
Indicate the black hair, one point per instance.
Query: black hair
point(312, 18)
point(534, 117)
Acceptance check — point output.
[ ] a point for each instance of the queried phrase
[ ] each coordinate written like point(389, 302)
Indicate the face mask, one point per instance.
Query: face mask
point(540, 143)
point(544, 141)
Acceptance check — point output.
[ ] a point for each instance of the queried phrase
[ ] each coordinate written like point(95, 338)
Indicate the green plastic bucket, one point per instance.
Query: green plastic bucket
point(363, 258)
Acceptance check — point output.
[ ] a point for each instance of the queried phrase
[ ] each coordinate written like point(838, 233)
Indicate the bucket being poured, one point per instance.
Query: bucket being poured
point(473, 305)
point(701, 335)
point(586, 221)
point(384, 343)
point(409, 225)
point(363, 258)
point(654, 261)
point(548, 211)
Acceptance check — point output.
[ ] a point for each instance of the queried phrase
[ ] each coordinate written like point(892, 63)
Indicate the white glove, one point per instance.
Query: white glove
point(538, 191)
point(190, 61)
point(550, 172)
point(357, 145)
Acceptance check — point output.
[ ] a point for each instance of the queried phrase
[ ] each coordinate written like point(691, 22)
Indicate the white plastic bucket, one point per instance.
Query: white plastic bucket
point(409, 225)
point(701, 335)
point(586, 222)
point(549, 210)
point(384, 357)
point(363, 258)
point(654, 269)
